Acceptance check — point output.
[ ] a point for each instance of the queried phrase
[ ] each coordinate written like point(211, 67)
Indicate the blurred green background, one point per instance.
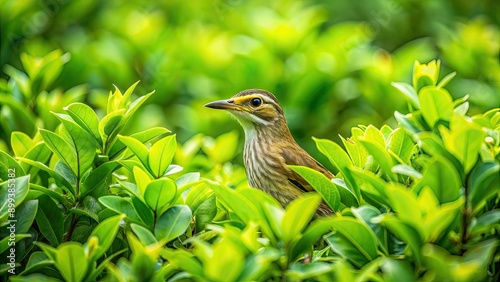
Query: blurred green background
point(330, 63)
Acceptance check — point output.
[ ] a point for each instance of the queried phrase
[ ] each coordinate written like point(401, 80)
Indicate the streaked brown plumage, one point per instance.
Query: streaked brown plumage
point(270, 147)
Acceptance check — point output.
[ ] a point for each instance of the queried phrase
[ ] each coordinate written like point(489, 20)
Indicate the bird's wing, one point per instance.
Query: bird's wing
point(294, 155)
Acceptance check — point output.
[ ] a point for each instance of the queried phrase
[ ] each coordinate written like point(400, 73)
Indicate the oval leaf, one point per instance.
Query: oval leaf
point(321, 184)
point(173, 223)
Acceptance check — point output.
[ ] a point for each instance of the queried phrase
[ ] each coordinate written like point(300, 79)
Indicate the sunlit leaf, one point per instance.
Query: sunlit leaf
point(161, 155)
point(71, 261)
point(298, 214)
point(159, 193)
point(85, 116)
point(173, 223)
point(321, 184)
point(436, 104)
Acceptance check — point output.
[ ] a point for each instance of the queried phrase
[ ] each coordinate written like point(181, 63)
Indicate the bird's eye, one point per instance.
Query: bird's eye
point(256, 102)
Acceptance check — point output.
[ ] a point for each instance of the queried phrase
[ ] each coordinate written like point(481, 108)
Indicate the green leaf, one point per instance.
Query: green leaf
point(352, 240)
point(98, 177)
point(297, 215)
point(310, 236)
point(126, 97)
point(405, 232)
point(120, 205)
point(226, 262)
point(372, 184)
point(462, 109)
point(234, 201)
point(321, 184)
point(48, 250)
point(435, 223)
point(142, 180)
point(71, 261)
point(21, 80)
point(446, 79)
point(50, 220)
point(335, 154)
point(374, 135)
point(110, 123)
point(425, 74)
point(184, 260)
point(206, 212)
point(85, 117)
point(114, 100)
point(161, 154)
point(159, 193)
point(401, 199)
point(37, 261)
point(173, 223)
point(54, 195)
point(25, 215)
point(468, 267)
point(401, 144)
point(464, 142)
point(139, 149)
point(436, 104)
point(301, 271)
point(347, 196)
point(143, 137)
point(96, 272)
point(105, 233)
point(485, 223)
point(407, 170)
point(408, 92)
point(433, 145)
point(146, 237)
point(9, 165)
point(380, 155)
point(357, 153)
point(134, 105)
point(484, 181)
point(21, 143)
point(446, 189)
point(64, 184)
point(397, 270)
point(64, 151)
point(365, 214)
point(6, 241)
point(143, 211)
point(187, 179)
point(40, 152)
point(83, 144)
point(17, 187)
point(85, 212)
point(22, 119)
point(197, 195)
point(257, 266)
point(66, 172)
point(407, 122)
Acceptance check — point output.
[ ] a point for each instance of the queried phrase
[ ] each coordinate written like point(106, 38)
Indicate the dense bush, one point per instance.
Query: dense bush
point(417, 201)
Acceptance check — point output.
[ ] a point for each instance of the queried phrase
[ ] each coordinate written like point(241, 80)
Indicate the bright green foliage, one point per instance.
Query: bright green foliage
point(414, 202)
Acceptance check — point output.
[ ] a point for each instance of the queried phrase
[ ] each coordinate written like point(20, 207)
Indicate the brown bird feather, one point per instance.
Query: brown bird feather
point(270, 147)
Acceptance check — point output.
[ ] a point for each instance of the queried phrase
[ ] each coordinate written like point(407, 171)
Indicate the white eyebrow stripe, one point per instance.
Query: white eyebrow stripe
point(267, 99)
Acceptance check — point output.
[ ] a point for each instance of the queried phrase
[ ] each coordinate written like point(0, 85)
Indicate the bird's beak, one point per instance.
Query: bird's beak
point(223, 105)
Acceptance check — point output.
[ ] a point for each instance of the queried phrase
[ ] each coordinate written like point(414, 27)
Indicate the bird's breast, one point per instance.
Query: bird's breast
point(266, 170)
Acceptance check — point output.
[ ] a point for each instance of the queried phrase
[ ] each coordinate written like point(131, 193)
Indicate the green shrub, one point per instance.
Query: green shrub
point(415, 202)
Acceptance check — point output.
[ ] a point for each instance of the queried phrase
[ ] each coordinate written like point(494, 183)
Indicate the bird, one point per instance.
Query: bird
point(270, 147)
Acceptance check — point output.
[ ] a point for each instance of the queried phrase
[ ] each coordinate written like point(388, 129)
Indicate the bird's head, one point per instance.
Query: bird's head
point(253, 108)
